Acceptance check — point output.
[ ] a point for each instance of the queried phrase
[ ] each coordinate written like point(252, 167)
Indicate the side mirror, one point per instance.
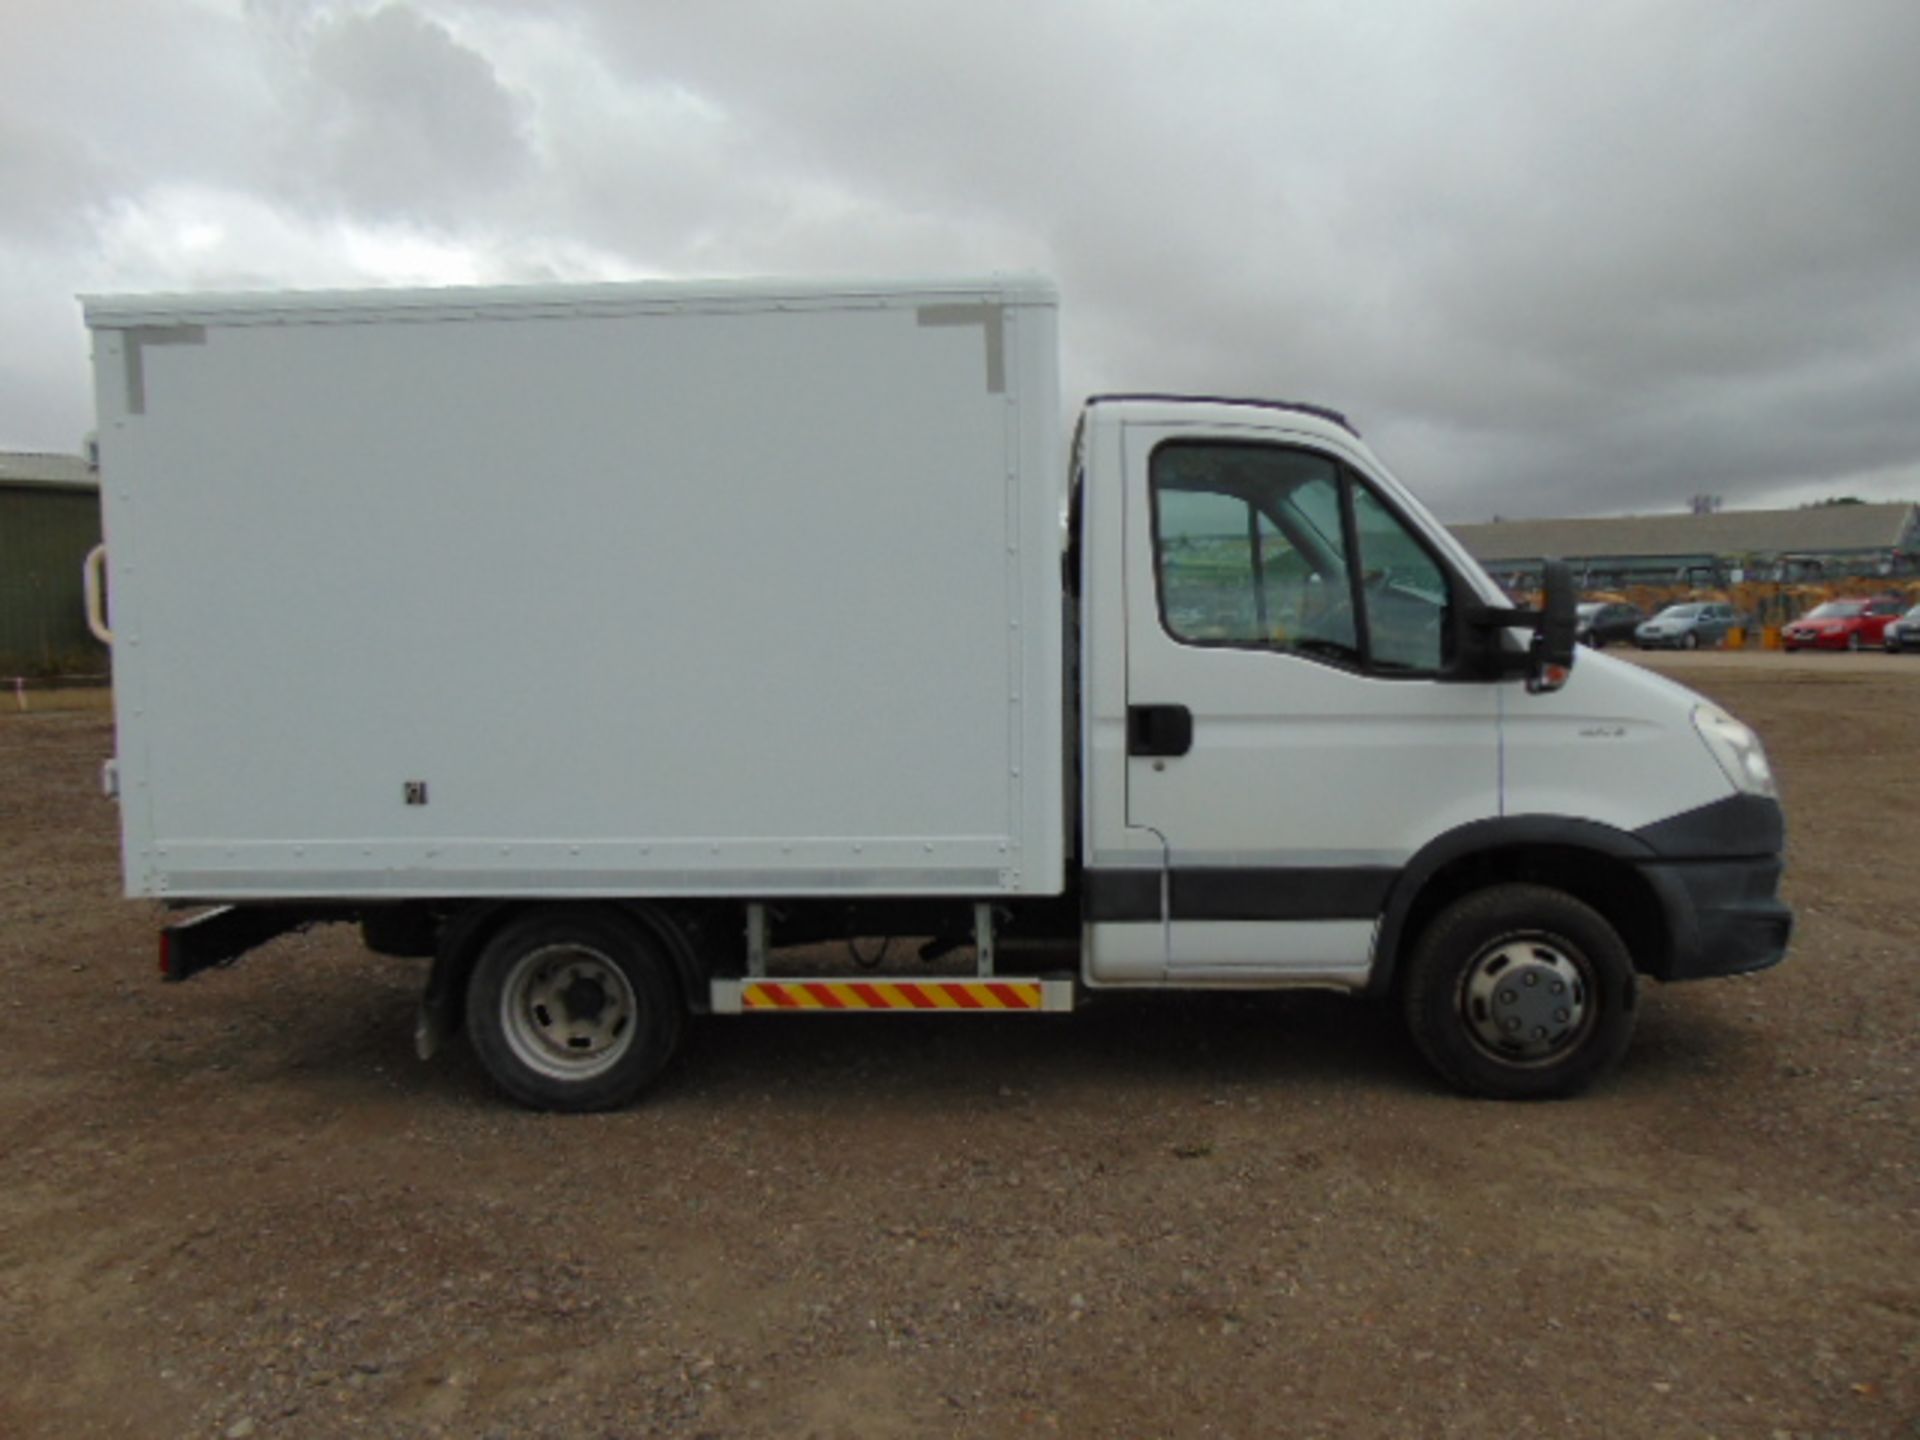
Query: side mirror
point(1550, 657)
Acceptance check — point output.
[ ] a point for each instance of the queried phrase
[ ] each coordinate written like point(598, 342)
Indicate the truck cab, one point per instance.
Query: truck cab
point(1311, 747)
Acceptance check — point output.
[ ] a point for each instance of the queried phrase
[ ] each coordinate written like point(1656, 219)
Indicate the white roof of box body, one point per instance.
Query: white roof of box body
point(744, 588)
point(629, 297)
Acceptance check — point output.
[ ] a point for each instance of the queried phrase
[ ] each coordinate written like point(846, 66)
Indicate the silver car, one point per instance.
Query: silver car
point(1687, 626)
point(1903, 633)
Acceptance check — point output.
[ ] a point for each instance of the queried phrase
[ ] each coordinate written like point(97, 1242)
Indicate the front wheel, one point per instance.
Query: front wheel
point(1520, 992)
point(573, 1009)
point(1853, 640)
point(1690, 641)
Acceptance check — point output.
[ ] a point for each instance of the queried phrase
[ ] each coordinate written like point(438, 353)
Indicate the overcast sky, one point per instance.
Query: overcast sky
point(1553, 258)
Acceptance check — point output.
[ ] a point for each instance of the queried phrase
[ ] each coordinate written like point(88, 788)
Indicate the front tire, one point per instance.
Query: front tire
point(1520, 992)
point(1690, 641)
point(573, 1009)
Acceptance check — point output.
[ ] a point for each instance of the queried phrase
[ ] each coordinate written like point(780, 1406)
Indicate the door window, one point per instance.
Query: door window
point(1251, 550)
point(1264, 547)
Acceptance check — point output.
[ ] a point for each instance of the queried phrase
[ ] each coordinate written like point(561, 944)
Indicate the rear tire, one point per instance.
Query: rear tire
point(573, 1009)
point(1520, 992)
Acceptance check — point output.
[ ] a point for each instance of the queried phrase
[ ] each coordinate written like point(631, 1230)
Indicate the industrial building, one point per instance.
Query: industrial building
point(49, 520)
point(1814, 545)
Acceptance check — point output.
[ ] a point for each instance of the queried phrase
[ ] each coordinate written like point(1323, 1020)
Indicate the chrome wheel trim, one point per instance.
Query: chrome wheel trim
point(1527, 1000)
point(568, 1011)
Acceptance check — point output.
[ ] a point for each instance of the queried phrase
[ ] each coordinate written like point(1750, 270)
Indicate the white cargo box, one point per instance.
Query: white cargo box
point(743, 589)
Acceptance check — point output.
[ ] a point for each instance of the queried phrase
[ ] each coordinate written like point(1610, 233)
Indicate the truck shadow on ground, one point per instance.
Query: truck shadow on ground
point(1193, 1043)
point(1196, 1044)
point(1166, 1043)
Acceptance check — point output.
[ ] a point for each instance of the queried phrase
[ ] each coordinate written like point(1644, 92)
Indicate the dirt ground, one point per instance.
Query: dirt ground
point(241, 1207)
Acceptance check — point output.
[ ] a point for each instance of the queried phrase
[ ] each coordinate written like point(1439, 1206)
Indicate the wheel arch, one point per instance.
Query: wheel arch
point(465, 932)
point(1595, 863)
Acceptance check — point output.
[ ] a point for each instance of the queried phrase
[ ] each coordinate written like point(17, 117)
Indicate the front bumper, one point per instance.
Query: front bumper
point(1725, 917)
point(1716, 873)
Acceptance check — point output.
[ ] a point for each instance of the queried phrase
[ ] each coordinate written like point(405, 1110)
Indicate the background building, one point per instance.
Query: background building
point(49, 519)
point(1823, 543)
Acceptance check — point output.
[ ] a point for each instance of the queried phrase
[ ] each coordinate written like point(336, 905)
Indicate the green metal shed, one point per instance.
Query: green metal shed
point(49, 520)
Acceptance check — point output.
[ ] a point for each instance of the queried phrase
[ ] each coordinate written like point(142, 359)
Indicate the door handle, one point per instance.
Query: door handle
point(1159, 730)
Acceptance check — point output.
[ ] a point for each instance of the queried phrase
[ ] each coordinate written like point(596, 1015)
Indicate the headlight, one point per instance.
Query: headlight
point(1736, 748)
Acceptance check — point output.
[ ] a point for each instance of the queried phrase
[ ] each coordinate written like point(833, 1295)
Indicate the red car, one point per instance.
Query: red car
point(1842, 624)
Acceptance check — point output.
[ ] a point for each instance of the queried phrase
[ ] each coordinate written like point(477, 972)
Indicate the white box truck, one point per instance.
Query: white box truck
point(608, 644)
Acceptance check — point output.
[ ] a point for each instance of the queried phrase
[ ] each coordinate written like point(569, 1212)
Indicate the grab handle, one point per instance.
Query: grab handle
point(92, 573)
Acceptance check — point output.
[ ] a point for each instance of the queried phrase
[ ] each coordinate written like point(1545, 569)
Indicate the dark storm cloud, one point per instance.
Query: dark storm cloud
point(1553, 258)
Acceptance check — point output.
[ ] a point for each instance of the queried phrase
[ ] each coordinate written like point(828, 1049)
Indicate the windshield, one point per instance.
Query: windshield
point(1587, 611)
point(1681, 612)
point(1838, 610)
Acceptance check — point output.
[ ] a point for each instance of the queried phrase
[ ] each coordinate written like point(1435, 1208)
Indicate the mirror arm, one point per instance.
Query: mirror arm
point(1491, 619)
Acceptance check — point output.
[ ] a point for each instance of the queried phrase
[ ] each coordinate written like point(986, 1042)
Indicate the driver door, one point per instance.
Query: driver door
point(1294, 733)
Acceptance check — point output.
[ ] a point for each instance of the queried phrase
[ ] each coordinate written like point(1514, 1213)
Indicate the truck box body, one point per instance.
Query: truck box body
point(631, 590)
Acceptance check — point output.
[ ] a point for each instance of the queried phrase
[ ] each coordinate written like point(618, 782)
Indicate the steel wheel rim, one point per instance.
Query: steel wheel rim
point(1527, 999)
point(568, 1011)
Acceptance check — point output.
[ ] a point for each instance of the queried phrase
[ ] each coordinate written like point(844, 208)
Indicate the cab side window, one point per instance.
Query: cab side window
point(1267, 547)
point(1250, 549)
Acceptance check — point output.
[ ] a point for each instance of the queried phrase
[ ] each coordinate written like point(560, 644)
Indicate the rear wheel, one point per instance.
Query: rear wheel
point(573, 1009)
point(1520, 992)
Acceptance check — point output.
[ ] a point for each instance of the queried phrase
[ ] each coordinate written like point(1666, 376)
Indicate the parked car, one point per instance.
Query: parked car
point(1688, 626)
point(1903, 633)
point(1601, 622)
point(1842, 624)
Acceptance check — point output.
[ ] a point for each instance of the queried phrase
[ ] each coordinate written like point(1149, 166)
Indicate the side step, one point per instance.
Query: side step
point(896, 993)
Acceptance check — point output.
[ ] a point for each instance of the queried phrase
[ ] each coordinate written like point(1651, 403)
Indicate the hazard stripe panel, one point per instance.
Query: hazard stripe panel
point(733, 997)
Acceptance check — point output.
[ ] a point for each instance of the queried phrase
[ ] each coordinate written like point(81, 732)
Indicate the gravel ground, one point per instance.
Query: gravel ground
point(240, 1207)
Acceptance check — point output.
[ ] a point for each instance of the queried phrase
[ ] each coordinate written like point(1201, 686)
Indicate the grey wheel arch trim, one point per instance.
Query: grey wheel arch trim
point(1509, 833)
